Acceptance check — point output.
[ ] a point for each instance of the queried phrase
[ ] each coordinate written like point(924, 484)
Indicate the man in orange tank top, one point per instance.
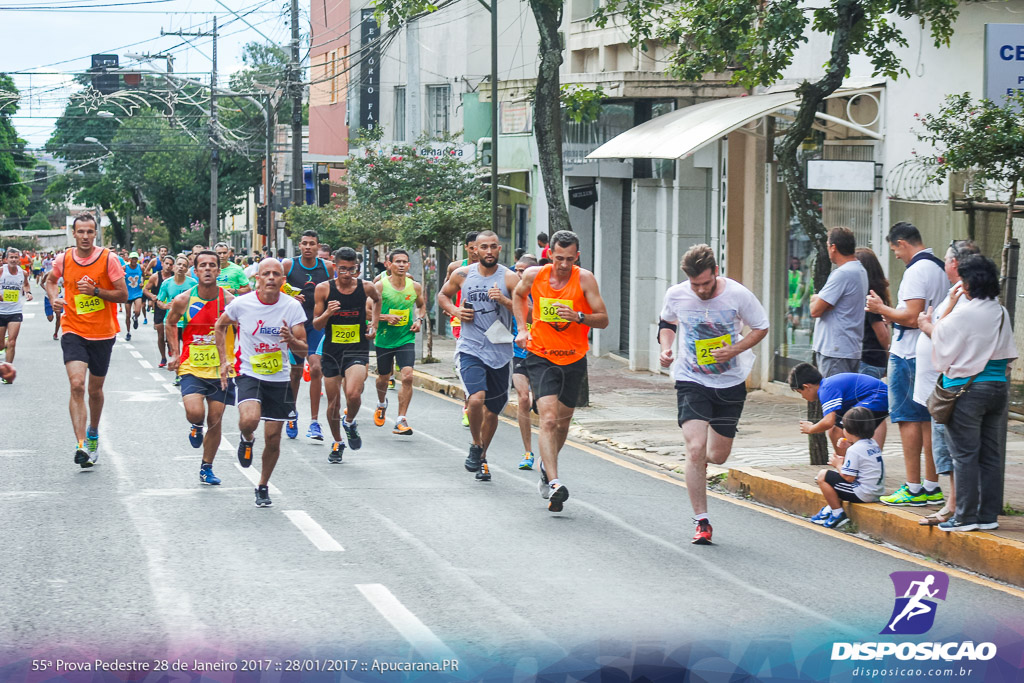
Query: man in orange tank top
point(566, 304)
point(93, 287)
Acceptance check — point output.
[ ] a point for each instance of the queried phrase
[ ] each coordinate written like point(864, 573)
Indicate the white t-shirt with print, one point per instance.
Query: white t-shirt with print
point(260, 348)
point(864, 461)
point(706, 325)
point(925, 281)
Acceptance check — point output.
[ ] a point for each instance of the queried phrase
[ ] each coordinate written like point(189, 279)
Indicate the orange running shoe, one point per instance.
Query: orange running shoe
point(378, 415)
point(402, 428)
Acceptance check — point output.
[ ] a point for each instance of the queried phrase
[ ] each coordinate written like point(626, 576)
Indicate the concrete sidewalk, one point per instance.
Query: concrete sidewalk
point(635, 413)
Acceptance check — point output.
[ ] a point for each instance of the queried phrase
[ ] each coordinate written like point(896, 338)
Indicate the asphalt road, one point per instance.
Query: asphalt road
point(396, 552)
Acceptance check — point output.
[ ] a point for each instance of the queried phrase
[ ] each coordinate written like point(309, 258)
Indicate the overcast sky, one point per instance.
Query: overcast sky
point(53, 44)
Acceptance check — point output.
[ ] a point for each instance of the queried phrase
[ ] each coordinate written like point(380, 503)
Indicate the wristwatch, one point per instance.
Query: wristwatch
point(95, 290)
point(579, 317)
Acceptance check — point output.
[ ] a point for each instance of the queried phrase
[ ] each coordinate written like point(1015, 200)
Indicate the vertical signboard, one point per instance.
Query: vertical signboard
point(1004, 60)
point(369, 72)
point(102, 81)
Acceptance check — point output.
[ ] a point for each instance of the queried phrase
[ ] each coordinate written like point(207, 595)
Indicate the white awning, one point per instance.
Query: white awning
point(681, 133)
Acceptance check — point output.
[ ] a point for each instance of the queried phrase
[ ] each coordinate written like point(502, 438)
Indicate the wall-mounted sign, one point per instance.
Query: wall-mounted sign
point(842, 176)
point(369, 72)
point(1004, 60)
point(515, 117)
point(583, 196)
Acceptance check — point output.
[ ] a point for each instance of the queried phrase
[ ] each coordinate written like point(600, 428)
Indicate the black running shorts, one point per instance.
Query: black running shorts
point(721, 408)
point(519, 366)
point(551, 379)
point(275, 398)
point(844, 489)
point(334, 366)
point(8, 318)
point(95, 352)
point(404, 356)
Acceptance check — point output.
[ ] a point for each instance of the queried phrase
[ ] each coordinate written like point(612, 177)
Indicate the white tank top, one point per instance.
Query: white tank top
point(11, 297)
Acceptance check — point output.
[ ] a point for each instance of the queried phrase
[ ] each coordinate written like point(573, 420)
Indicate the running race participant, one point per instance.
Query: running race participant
point(152, 292)
point(269, 325)
point(403, 310)
point(471, 258)
point(711, 366)
point(134, 278)
point(302, 276)
point(52, 311)
point(15, 289)
point(484, 349)
point(340, 316)
point(37, 266)
point(323, 252)
point(93, 287)
point(197, 362)
point(7, 373)
point(232, 276)
point(566, 304)
point(172, 287)
point(521, 379)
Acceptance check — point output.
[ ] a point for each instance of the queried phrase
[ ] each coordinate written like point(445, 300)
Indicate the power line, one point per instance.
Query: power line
point(72, 7)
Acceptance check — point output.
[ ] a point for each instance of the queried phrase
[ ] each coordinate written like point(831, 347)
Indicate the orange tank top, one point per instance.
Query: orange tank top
point(88, 316)
point(559, 341)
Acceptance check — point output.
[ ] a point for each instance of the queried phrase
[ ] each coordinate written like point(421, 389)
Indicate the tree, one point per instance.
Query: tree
point(149, 233)
point(39, 221)
point(547, 101)
point(14, 192)
point(756, 41)
point(984, 139)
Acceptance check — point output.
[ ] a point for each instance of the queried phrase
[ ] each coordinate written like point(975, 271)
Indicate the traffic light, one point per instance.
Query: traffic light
point(102, 81)
point(261, 220)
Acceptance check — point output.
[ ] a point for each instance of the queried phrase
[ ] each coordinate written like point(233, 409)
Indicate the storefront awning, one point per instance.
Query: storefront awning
point(681, 133)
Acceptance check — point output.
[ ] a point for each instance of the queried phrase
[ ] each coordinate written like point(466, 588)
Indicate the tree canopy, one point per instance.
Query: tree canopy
point(14, 191)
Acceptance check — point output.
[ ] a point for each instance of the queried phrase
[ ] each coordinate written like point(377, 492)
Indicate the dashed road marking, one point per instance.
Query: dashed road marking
point(405, 622)
point(313, 531)
point(146, 364)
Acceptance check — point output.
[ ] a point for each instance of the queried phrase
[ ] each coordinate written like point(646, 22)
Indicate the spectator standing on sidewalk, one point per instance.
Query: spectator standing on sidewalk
point(965, 350)
point(874, 356)
point(838, 333)
point(924, 285)
point(927, 375)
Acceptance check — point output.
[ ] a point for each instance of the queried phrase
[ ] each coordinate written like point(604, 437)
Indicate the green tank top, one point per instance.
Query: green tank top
point(397, 302)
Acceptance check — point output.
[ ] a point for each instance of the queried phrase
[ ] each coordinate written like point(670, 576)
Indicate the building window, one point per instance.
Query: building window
point(332, 73)
point(399, 133)
point(438, 97)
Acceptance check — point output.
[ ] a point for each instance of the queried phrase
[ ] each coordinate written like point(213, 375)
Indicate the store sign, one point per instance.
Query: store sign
point(369, 72)
point(583, 197)
point(432, 150)
point(516, 117)
point(1004, 60)
point(842, 176)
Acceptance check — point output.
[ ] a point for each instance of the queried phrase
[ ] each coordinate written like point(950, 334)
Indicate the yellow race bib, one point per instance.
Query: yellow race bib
point(204, 356)
point(11, 296)
point(84, 305)
point(344, 334)
point(289, 290)
point(402, 313)
point(704, 347)
point(266, 363)
point(549, 312)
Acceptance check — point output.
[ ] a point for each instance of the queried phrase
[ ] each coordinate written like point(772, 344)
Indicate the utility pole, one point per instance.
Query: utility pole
point(494, 115)
point(295, 83)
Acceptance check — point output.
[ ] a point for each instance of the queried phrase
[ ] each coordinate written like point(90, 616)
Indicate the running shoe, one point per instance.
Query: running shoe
point(987, 526)
point(378, 414)
point(314, 432)
point(144, 320)
point(206, 475)
point(476, 454)
point(177, 381)
point(934, 497)
point(135, 321)
point(823, 514)
point(163, 363)
point(195, 436)
point(92, 440)
point(355, 442)
point(291, 428)
point(956, 525)
point(544, 485)
point(559, 494)
point(263, 497)
point(903, 496)
point(836, 521)
point(245, 452)
point(82, 456)
point(465, 419)
point(703, 535)
point(128, 337)
point(391, 384)
point(484, 474)
point(527, 461)
point(402, 427)
point(334, 457)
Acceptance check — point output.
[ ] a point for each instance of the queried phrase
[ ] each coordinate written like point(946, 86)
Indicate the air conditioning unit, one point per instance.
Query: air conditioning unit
point(484, 147)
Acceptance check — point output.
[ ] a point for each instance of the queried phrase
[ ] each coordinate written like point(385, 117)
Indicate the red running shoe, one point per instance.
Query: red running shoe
point(703, 535)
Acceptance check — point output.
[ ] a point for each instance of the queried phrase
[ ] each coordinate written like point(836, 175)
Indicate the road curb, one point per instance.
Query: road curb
point(1000, 558)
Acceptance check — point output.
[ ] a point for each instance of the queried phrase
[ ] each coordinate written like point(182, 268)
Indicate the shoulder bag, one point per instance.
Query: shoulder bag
point(943, 400)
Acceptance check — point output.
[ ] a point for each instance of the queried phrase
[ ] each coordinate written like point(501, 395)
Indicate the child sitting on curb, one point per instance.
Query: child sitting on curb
point(838, 394)
point(861, 475)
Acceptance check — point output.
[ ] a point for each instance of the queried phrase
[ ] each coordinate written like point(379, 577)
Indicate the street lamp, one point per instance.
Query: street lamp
point(97, 142)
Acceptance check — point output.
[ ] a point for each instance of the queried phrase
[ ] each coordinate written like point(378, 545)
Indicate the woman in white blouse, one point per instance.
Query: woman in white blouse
point(975, 340)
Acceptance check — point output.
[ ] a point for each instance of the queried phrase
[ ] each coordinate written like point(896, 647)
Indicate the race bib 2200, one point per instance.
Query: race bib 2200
point(344, 334)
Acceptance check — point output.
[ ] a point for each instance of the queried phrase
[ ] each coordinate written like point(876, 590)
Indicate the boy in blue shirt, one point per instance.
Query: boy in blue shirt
point(838, 394)
point(861, 475)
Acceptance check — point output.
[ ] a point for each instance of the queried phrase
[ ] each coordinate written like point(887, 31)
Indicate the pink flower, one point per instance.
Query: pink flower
point(371, 165)
point(419, 198)
point(333, 195)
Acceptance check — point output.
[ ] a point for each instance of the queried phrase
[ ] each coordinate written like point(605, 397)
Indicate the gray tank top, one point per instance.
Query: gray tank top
point(11, 297)
point(472, 339)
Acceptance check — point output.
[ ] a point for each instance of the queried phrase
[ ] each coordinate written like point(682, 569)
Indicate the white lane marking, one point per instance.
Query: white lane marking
point(405, 622)
point(135, 354)
point(171, 389)
point(313, 531)
point(26, 494)
point(15, 453)
point(128, 346)
point(225, 445)
point(157, 376)
point(146, 364)
point(28, 316)
point(253, 475)
point(182, 492)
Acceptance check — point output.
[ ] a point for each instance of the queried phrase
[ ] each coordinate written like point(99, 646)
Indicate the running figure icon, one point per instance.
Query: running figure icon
point(916, 596)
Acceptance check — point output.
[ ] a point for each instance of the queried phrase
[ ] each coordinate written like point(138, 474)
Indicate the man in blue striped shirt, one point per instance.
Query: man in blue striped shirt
point(838, 394)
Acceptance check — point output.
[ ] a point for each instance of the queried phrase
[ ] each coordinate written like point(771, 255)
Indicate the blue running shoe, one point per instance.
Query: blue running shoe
point(291, 428)
point(92, 440)
point(836, 521)
point(355, 442)
point(527, 462)
point(823, 514)
point(314, 432)
point(206, 475)
point(82, 456)
point(195, 436)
